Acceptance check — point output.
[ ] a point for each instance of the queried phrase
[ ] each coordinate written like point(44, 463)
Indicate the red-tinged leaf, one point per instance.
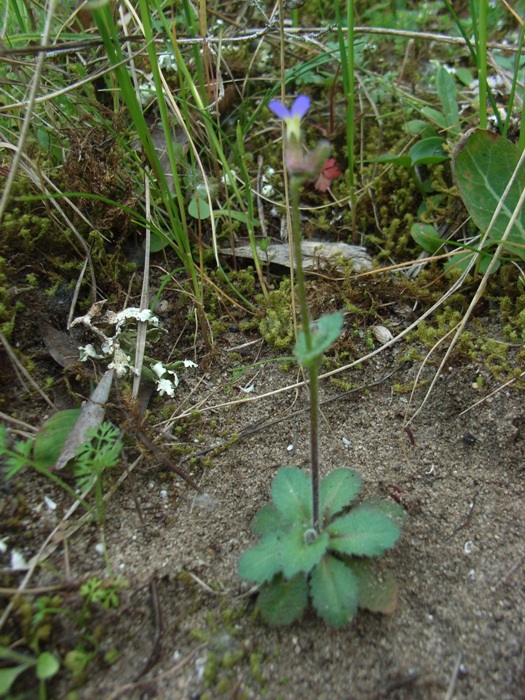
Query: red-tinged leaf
point(329, 173)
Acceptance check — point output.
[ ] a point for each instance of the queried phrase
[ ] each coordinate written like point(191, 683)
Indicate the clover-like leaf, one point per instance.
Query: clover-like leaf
point(377, 589)
point(337, 490)
point(301, 550)
point(324, 333)
point(334, 590)
point(365, 531)
point(263, 561)
point(282, 602)
point(292, 496)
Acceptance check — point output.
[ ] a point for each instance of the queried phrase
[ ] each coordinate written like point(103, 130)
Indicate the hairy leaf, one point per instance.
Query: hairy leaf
point(377, 589)
point(263, 561)
point(282, 602)
point(292, 495)
point(337, 490)
point(365, 531)
point(391, 509)
point(334, 591)
point(301, 554)
point(268, 521)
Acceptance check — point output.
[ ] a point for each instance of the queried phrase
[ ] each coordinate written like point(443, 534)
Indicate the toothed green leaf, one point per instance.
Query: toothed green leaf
point(365, 531)
point(334, 591)
point(268, 521)
point(301, 550)
point(292, 495)
point(377, 588)
point(263, 561)
point(337, 490)
point(282, 602)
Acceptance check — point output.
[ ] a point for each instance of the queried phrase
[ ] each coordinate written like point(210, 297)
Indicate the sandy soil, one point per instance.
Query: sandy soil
point(186, 626)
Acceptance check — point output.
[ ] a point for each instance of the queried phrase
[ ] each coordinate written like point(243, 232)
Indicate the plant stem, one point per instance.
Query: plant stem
point(314, 442)
point(313, 370)
point(295, 185)
point(482, 63)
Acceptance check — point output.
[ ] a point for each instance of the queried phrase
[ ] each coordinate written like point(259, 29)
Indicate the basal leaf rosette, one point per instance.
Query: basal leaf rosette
point(293, 563)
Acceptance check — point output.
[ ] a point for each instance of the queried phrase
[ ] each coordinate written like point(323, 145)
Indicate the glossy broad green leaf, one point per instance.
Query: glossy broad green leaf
point(365, 531)
point(263, 561)
point(377, 589)
point(337, 490)
point(301, 550)
point(292, 496)
point(52, 436)
point(483, 164)
point(334, 590)
point(428, 151)
point(282, 602)
point(324, 333)
point(426, 236)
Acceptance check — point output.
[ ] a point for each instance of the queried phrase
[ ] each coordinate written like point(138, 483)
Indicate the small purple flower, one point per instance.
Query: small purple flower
point(291, 117)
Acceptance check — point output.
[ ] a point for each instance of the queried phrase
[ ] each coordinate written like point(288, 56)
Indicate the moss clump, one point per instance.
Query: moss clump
point(277, 325)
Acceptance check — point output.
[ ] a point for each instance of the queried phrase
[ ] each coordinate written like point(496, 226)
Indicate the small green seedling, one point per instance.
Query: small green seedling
point(45, 666)
point(292, 561)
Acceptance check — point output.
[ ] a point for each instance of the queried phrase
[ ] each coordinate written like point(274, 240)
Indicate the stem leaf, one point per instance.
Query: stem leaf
point(324, 333)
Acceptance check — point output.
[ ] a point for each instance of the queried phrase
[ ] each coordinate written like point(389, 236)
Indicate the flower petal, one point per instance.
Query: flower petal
point(279, 109)
point(300, 106)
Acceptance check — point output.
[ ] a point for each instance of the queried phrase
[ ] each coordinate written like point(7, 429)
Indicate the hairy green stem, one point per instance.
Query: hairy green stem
point(313, 370)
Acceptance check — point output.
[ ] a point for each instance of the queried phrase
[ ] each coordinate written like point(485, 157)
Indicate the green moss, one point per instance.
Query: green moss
point(277, 325)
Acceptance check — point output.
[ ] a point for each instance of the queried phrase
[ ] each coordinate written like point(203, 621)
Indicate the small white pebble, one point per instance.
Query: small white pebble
point(51, 505)
point(99, 548)
point(18, 563)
